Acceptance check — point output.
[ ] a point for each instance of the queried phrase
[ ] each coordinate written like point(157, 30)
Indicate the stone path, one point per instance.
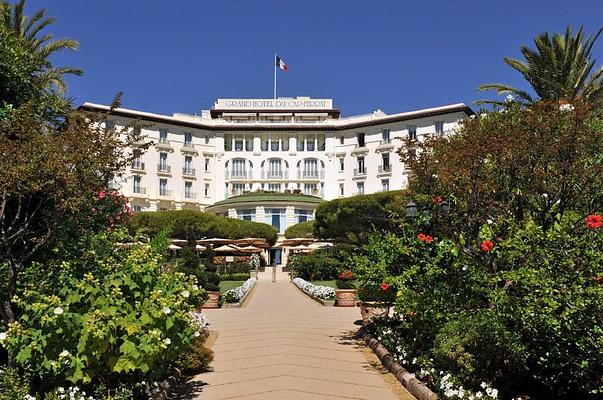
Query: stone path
point(283, 345)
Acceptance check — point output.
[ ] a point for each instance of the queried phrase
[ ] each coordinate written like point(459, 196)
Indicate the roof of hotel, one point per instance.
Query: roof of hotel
point(268, 197)
point(359, 121)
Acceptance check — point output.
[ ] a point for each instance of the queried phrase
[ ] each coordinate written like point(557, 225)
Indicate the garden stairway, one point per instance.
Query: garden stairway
point(284, 346)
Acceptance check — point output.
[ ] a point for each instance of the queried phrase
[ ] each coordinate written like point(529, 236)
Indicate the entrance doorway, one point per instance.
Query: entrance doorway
point(274, 256)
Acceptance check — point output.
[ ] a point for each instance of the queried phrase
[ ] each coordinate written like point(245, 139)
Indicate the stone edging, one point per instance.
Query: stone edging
point(167, 385)
point(325, 303)
point(408, 380)
point(241, 303)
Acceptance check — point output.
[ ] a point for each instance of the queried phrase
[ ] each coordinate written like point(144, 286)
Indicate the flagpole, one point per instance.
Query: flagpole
point(274, 63)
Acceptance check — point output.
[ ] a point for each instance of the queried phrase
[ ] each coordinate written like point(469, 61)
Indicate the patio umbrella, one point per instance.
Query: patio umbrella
point(225, 249)
point(178, 241)
point(200, 248)
point(251, 249)
point(174, 247)
point(214, 241)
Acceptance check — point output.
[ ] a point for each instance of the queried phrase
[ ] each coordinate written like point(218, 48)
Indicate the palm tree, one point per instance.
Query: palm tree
point(561, 67)
point(13, 19)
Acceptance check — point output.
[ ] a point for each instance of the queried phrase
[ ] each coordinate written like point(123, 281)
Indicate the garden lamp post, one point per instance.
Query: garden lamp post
point(411, 210)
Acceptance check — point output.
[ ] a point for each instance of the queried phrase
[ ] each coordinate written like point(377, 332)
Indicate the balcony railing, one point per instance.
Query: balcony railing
point(137, 166)
point(385, 169)
point(188, 171)
point(163, 140)
point(139, 190)
point(359, 171)
point(275, 174)
point(188, 146)
point(310, 174)
point(239, 175)
point(189, 195)
point(164, 168)
point(165, 193)
point(385, 142)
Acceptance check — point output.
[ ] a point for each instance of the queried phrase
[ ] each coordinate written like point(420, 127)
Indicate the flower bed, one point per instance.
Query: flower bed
point(237, 294)
point(320, 292)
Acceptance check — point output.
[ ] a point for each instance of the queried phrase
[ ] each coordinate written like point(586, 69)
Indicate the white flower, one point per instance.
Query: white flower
point(167, 341)
point(472, 116)
point(64, 353)
point(3, 336)
point(478, 395)
point(464, 268)
point(58, 311)
point(566, 108)
point(185, 294)
point(483, 115)
point(166, 310)
point(197, 334)
point(195, 287)
point(28, 397)
point(489, 221)
point(484, 385)
point(509, 98)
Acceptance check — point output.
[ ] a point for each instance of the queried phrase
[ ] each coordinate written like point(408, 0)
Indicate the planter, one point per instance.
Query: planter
point(213, 300)
point(371, 310)
point(345, 297)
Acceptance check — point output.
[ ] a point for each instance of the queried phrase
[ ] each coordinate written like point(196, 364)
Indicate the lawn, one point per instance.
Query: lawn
point(227, 285)
point(325, 283)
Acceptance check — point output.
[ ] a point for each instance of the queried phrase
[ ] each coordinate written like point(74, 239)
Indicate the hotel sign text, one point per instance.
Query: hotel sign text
point(273, 104)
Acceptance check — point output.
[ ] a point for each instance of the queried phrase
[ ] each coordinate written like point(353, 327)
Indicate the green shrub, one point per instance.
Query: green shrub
point(300, 230)
point(322, 264)
point(341, 284)
point(474, 347)
point(13, 384)
point(187, 224)
point(235, 277)
point(197, 358)
point(234, 268)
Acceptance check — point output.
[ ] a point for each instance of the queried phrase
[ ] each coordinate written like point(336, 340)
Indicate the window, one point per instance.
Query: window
point(302, 215)
point(275, 168)
point(249, 142)
point(246, 214)
point(361, 137)
point(310, 142)
point(162, 135)
point(274, 187)
point(228, 142)
point(188, 139)
point(188, 190)
point(385, 137)
point(206, 139)
point(321, 142)
point(360, 188)
point(136, 208)
point(163, 167)
point(276, 218)
point(238, 143)
point(310, 189)
point(163, 187)
point(341, 165)
point(206, 191)
point(239, 168)
point(136, 185)
point(310, 169)
point(188, 165)
point(137, 162)
point(238, 188)
point(385, 185)
point(361, 169)
point(274, 142)
point(285, 143)
point(264, 145)
point(412, 132)
point(341, 139)
point(206, 165)
point(341, 190)
point(385, 162)
point(439, 127)
point(300, 142)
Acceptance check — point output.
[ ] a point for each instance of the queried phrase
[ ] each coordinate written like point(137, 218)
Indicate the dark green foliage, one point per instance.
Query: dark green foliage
point(322, 264)
point(188, 223)
point(373, 293)
point(301, 230)
point(235, 277)
point(210, 281)
point(234, 268)
point(13, 384)
point(477, 346)
point(197, 358)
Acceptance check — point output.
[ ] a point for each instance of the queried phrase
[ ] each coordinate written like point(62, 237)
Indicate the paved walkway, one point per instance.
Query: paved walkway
point(285, 346)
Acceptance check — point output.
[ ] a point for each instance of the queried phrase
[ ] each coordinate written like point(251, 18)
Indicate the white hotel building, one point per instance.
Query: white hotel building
point(300, 149)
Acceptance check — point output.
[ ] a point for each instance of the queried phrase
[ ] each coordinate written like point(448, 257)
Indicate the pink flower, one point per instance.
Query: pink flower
point(102, 194)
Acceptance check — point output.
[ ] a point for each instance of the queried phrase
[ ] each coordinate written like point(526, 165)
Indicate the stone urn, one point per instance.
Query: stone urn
point(372, 309)
point(213, 300)
point(345, 297)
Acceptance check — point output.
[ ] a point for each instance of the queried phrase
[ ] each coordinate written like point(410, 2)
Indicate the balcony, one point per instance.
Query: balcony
point(360, 149)
point(275, 174)
point(238, 175)
point(138, 191)
point(164, 193)
point(385, 144)
point(164, 169)
point(137, 166)
point(188, 147)
point(311, 174)
point(163, 143)
point(189, 196)
point(187, 171)
point(384, 169)
point(359, 171)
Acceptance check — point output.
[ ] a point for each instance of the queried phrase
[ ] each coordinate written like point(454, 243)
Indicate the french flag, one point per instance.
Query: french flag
point(281, 64)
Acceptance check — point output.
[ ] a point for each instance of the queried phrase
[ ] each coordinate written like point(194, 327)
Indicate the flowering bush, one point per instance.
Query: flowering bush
point(115, 317)
point(236, 294)
point(320, 292)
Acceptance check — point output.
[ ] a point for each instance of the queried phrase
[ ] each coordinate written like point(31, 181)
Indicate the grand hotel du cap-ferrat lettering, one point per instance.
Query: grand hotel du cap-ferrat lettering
point(225, 104)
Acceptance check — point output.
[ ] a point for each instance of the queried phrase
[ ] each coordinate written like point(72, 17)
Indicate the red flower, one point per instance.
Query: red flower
point(384, 287)
point(346, 275)
point(437, 200)
point(594, 221)
point(412, 314)
point(102, 194)
point(487, 246)
point(425, 238)
point(599, 280)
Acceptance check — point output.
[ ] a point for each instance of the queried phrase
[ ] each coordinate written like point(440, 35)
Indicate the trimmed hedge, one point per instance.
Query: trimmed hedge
point(301, 230)
point(187, 224)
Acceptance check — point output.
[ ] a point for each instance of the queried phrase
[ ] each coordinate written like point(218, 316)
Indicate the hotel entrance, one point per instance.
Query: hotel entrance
point(274, 256)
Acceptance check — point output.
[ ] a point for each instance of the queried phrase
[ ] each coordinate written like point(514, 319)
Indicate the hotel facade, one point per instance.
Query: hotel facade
point(269, 160)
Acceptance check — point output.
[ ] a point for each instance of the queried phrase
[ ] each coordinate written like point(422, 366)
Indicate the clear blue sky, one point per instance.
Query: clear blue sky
point(179, 56)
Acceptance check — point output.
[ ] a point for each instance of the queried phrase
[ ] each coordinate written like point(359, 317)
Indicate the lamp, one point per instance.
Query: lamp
point(445, 207)
point(411, 210)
